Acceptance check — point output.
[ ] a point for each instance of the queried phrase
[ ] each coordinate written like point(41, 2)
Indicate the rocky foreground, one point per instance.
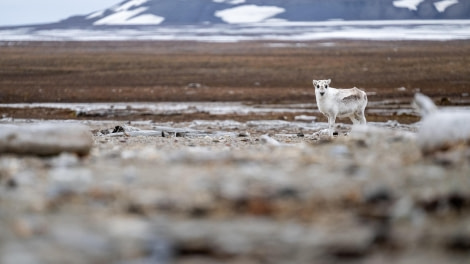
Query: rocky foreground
point(237, 192)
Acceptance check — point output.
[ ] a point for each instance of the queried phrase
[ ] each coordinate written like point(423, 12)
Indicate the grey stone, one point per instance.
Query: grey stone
point(45, 139)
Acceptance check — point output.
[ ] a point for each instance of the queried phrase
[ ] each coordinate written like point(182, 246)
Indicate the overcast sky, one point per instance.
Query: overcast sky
point(23, 12)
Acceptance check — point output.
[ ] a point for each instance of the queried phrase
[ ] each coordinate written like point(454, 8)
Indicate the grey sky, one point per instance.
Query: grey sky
point(23, 12)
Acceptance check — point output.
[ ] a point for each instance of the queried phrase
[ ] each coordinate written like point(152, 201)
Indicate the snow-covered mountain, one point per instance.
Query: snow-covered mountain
point(188, 12)
point(243, 20)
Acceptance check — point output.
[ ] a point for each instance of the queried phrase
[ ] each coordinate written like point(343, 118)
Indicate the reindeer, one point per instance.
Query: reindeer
point(340, 103)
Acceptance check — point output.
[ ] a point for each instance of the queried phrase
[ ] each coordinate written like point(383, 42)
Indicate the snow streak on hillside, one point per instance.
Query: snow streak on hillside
point(248, 13)
point(440, 6)
point(191, 12)
point(127, 14)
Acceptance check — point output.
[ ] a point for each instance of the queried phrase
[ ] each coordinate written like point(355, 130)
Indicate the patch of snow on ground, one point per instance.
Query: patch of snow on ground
point(248, 13)
point(120, 18)
point(216, 108)
point(410, 4)
point(441, 6)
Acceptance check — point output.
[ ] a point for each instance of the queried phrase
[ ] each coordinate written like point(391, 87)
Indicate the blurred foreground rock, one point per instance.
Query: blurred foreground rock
point(45, 139)
point(441, 130)
point(212, 196)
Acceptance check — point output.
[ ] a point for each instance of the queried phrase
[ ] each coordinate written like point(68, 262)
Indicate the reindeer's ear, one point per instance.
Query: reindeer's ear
point(328, 81)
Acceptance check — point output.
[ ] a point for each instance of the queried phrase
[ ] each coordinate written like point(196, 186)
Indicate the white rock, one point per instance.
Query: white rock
point(45, 139)
point(269, 140)
point(444, 129)
point(64, 160)
point(441, 129)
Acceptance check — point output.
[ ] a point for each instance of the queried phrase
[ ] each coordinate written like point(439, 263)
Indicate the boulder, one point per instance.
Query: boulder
point(45, 139)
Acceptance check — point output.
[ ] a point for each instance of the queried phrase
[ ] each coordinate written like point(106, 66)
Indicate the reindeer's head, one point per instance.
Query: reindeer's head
point(321, 86)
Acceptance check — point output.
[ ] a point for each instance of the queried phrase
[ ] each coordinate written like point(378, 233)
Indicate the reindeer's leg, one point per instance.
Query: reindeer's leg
point(361, 117)
point(354, 119)
point(331, 124)
point(361, 114)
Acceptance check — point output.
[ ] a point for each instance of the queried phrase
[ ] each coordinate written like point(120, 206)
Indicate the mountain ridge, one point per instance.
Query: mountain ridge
point(245, 20)
point(188, 12)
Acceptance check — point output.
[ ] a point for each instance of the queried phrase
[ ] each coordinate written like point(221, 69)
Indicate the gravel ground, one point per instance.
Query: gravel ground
point(238, 192)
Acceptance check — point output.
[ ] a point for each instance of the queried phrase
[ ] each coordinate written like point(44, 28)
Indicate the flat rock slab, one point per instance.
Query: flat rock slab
point(45, 139)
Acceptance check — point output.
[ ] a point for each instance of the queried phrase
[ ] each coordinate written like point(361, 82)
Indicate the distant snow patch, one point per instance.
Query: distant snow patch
point(95, 14)
point(130, 18)
point(120, 18)
point(441, 6)
point(231, 2)
point(248, 13)
point(126, 6)
point(147, 19)
point(410, 4)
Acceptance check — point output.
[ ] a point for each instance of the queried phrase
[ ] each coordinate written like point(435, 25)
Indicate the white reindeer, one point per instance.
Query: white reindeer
point(340, 103)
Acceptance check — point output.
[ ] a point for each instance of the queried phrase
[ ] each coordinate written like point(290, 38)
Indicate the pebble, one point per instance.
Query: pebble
point(339, 151)
point(459, 242)
point(244, 134)
point(64, 181)
point(64, 160)
point(265, 139)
